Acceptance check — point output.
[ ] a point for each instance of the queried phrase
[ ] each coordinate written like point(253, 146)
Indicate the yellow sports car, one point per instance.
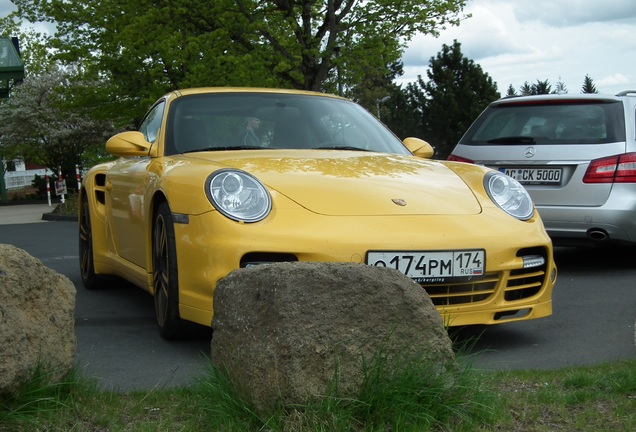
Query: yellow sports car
point(217, 179)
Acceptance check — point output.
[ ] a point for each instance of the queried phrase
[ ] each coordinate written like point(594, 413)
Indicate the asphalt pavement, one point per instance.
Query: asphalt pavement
point(119, 345)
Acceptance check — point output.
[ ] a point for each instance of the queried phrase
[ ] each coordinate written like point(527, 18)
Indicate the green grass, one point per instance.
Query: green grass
point(40, 399)
point(595, 398)
point(598, 398)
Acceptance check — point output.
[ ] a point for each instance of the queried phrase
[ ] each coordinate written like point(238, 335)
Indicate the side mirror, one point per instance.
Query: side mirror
point(127, 144)
point(419, 148)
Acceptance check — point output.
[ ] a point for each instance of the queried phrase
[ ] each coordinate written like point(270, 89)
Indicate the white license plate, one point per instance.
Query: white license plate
point(433, 266)
point(530, 176)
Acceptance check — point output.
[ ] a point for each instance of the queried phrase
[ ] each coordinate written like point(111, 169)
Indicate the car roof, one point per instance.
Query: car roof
point(566, 96)
point(209, 90)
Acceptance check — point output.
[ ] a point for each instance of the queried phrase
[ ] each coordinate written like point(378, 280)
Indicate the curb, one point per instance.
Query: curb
point(57, 217)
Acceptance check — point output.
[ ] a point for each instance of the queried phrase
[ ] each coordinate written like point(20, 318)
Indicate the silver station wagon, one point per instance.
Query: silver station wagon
point(575, 154)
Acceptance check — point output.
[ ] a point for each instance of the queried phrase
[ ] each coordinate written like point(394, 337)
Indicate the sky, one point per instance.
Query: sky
point(518, 41)
point(515, 41)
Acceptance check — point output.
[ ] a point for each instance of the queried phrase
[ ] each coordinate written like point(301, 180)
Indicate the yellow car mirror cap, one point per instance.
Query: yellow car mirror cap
point(127, 144)
point(419, 147)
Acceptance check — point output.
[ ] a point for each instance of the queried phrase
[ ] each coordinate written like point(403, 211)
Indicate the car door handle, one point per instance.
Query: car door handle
point(109, 186)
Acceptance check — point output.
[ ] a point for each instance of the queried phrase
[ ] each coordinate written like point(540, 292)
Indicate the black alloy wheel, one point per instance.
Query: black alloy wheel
point(164, 274)
point(87, 265)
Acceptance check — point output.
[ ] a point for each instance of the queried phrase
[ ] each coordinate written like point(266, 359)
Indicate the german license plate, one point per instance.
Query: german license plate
point(433, 266)
point(534, 176)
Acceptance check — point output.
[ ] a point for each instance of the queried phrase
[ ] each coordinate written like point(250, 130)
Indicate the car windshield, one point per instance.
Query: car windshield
point(548, 122)
point(235, 121)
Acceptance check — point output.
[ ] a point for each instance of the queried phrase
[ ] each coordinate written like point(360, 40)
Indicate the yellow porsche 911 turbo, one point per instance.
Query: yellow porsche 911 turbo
point(217, 179)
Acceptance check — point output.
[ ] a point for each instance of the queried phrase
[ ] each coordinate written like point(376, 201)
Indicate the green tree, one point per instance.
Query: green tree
point(377, 90)
point(50, 120)
point(588, 85)
point(526, 89)
point(403, 112)
point(541, 87)
point(148, 47)
point(511, 91)
point(456, 92)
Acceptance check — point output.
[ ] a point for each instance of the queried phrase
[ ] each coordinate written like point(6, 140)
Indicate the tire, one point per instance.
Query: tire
point(165, 275)
point(87, 263)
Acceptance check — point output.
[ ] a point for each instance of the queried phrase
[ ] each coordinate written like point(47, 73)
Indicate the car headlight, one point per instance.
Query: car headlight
point(509, 195)
point(238, 195)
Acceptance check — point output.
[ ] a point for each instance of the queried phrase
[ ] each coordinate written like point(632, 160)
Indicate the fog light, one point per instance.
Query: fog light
point(533, 261)
point(553, 275)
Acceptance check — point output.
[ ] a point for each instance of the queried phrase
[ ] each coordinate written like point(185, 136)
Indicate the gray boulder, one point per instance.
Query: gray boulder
point(280, 329)
point(37, 309)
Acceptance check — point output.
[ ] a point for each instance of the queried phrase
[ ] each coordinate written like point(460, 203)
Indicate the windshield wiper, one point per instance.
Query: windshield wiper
point(513, 140)
point(341, 148)
point(239, 147)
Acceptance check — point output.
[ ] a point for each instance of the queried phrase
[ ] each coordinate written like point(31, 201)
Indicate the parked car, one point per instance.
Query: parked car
point(202, 189)
point(575, 154)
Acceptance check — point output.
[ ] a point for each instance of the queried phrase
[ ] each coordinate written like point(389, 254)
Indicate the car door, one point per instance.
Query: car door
point(127, 183)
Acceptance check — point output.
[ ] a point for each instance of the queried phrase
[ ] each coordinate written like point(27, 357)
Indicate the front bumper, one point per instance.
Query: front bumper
point(210, 246)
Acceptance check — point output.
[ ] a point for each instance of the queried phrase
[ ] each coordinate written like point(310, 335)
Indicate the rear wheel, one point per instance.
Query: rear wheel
point(165, 275)
point(87, 265)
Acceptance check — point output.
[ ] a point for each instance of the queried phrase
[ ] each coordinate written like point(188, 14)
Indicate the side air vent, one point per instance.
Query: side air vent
point(100, 188)
point(527, 282)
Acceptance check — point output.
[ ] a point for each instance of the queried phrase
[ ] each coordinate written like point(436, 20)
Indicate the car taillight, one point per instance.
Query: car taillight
point(613, 169)
point(454, 158)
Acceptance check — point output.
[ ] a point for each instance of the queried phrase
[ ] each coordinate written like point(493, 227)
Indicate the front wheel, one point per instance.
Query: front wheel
point(165, 275)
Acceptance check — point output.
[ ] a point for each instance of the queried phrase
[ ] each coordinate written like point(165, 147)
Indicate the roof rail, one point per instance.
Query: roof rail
point(626, 93)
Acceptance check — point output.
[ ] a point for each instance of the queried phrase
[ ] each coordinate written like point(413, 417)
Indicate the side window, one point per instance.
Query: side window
point(152, 122)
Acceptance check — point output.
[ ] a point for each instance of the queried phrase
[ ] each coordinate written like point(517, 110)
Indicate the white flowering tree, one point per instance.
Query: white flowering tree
point(54, 120)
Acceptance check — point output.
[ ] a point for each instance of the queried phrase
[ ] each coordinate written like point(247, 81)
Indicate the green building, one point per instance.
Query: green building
point(11, 73)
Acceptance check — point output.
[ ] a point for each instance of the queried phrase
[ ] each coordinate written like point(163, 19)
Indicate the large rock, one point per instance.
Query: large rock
point(37, 309)
point(280, 329)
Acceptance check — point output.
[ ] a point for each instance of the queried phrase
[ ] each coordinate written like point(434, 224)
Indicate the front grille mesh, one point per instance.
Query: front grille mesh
point(517, 284)
point(463, 292)
point(524, 283)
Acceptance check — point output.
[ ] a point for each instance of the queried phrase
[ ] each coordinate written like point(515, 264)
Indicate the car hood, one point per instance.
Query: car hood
point(353, 183)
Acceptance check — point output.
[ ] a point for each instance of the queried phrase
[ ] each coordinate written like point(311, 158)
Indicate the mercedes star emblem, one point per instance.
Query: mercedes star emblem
point(529, 152)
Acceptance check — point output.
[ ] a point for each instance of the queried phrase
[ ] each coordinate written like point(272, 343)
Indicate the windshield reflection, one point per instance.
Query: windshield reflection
point(229, 121)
